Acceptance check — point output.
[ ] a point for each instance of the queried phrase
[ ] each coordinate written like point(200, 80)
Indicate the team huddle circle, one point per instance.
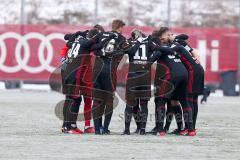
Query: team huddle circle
point(89, 74)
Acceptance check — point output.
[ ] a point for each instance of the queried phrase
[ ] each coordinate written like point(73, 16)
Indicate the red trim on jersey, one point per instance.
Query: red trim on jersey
point(189, 67)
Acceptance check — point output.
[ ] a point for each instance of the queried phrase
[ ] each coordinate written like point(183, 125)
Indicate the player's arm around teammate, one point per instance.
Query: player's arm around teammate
point(138, 90)
point(73, 86)
point(196, 77)
point(195, 72)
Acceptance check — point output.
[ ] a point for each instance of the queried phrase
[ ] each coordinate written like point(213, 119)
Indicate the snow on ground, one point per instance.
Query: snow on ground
point(29, 129)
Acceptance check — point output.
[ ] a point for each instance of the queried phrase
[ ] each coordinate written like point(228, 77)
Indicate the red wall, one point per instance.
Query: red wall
point(31, 52)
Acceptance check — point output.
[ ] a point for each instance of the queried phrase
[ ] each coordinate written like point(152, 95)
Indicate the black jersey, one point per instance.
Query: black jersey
point(107, 43)
point(75, 67)
point(195, 70)
point(182, 40)
point(140, 53)
point(79, 46)
point(177, 69)
point(139, 72)
point(170, 75)
point(108, 58)
point(184, 55)
point(171, 61)
point(71, 37)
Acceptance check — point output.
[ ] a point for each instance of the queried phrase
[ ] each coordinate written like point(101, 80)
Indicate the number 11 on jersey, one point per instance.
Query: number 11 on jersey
point(142, 52)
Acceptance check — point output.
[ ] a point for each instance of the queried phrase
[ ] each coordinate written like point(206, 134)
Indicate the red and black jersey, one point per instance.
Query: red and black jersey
point(195, 70)
point(172, 62)
point(77, 75)
point(70, 38)
point(79, 46)
point(170, 71)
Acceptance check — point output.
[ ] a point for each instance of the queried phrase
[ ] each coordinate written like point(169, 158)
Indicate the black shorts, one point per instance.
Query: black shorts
point(103, 88)
point(180, 89)
point(73, 79)
point(138, 86)
point(77, 77)
point(174, 88)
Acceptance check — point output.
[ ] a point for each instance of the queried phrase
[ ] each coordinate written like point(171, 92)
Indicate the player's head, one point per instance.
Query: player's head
point(67, 36)
point(117, 25)
point(155, 33)
point(92, 33)
point(135, 34)
point(156, 36)
point(165, 35)
point(99, 28)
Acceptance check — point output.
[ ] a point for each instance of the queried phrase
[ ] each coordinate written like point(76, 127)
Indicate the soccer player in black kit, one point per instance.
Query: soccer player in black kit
point(138, 87)
point(86, 71)
point(189, 57)
point(197, 76)
point(74, 84)
point(105, 76)
point(175, 79)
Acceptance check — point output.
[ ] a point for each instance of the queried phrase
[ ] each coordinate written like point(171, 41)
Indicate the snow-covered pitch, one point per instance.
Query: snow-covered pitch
point(29, 129)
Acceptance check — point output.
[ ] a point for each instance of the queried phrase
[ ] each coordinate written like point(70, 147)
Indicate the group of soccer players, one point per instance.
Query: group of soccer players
point(89, 69)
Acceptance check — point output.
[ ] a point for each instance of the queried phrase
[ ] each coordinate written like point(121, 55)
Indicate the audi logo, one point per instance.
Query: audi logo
point(22, 43)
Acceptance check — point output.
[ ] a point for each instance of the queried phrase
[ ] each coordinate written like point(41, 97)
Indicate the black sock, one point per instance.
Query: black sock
point(144, 113)
point(97, 113)
point(70, 111)
point(66, 103)
point(160, 113)
point(100, 120)
point(169, 116)
point(107, 120)
point(195, 110)
point(128, 116)
point(108, 115)
point(187, 114)
point(136, 115)
point(178, 116)
point(156, 118)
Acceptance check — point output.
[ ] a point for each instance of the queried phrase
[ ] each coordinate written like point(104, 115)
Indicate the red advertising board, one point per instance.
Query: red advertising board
point(31, 52)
